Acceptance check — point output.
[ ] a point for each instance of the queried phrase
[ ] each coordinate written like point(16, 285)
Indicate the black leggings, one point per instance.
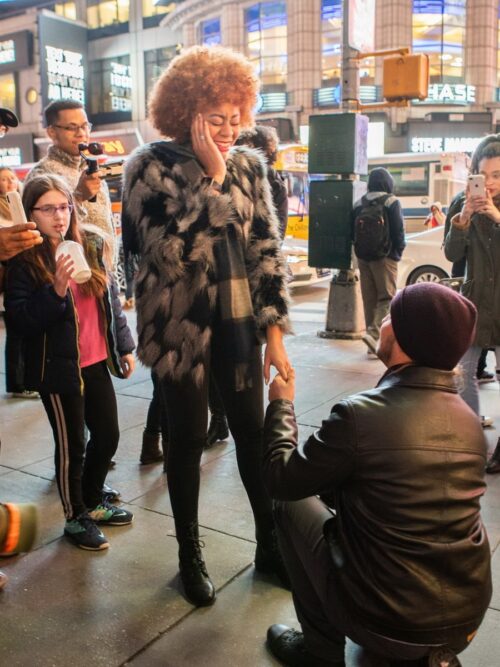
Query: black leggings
point(186, 406)
point(156, 420)
point(81, 468)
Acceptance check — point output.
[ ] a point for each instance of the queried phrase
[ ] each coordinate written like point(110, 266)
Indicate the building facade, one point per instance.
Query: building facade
point(108, 53)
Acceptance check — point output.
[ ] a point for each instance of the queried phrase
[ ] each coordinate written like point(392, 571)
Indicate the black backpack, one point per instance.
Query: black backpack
point(371, 229)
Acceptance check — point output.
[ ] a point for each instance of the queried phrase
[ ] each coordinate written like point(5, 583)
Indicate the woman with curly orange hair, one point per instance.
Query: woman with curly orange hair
point(211, 286)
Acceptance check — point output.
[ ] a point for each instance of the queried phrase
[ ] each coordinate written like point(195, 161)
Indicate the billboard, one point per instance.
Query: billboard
point(63, 59)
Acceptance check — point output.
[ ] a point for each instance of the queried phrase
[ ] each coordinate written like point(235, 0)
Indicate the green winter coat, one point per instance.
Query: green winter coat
point(480, 245)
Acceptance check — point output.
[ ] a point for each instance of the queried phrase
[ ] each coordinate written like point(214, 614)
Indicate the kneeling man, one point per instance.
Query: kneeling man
point(393, 553)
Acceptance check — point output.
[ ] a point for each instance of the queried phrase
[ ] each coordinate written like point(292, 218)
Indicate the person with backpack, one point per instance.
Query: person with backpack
point(379, 241)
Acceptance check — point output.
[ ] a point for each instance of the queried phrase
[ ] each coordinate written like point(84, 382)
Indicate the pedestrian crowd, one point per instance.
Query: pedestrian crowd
point(374, 521)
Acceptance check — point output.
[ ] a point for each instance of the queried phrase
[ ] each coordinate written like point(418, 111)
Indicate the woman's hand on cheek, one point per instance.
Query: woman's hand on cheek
point(206, 151)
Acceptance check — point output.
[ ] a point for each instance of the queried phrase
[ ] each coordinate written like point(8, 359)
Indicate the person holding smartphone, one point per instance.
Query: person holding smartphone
point(474, 235)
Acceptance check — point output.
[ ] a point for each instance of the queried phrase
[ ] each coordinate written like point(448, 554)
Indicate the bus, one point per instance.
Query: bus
point(291, 163)
point(419, 180)
point(423, 178)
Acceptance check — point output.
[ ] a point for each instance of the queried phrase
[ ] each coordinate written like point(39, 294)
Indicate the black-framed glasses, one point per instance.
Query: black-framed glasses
point(74, 128)
point(50, 211)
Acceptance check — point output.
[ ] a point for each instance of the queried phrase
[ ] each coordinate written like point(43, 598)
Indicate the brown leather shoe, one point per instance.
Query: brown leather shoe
point(288, 646)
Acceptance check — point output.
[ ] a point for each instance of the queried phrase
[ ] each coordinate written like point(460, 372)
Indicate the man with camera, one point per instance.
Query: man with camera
point(68, 127)
point(394, 555)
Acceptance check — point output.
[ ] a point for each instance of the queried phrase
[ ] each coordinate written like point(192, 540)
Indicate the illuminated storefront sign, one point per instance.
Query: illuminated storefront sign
point(16, 51)
point(7, 52)
point(121, 87)
point(65, 75)
point(447, 93)
point(63, 59)
point(16, 149)
point(10, 157)
point(444, 144)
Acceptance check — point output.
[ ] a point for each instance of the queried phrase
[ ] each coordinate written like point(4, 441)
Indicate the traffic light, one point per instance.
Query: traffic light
point(406, 77)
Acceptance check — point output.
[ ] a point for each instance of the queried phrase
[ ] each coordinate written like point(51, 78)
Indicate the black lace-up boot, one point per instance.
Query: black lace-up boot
point(268, 558)
point(218, 428)
point(198, 587)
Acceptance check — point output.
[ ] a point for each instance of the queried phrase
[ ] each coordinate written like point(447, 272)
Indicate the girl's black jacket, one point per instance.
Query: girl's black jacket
point(49, 325)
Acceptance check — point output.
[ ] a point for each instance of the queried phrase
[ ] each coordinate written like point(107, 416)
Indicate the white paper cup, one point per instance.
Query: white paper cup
point(81, 271)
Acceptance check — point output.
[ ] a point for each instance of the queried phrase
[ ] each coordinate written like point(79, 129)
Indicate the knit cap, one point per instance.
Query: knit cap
point(433, 324)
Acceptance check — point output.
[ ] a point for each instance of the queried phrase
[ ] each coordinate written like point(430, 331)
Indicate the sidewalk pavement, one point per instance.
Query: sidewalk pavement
point(64, 606)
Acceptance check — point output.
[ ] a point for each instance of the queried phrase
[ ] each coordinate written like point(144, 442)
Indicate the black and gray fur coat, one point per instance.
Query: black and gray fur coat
point(172, 220)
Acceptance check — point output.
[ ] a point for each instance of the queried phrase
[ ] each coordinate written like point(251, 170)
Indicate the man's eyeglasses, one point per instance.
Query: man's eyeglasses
point(50, 211)
point(74, 129)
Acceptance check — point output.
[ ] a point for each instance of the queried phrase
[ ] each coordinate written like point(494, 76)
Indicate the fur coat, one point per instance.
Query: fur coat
point(172, 219)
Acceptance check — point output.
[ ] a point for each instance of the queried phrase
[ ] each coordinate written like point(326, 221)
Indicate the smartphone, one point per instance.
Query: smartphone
point(16, 208)
point(476, 185)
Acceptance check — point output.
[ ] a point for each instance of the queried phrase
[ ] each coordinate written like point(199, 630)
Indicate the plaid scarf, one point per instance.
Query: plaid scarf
point(236, 328)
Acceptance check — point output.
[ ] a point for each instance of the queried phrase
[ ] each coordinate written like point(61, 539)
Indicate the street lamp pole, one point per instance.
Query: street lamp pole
point(344, 318)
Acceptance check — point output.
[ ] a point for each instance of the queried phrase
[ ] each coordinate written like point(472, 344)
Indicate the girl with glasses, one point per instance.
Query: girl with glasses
point(75, 335)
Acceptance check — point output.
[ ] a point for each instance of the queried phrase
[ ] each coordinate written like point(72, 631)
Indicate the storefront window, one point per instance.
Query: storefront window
point(331, 42)
point(154, 10)
point(210, 32)
point(103, 13)
point(266, 34)
point(8, 93)
point(155, 62)
point(66, 9)
point(439, 30)
point(110, 89)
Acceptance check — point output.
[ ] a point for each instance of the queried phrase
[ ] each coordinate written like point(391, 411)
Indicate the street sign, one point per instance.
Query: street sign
point(361, 24)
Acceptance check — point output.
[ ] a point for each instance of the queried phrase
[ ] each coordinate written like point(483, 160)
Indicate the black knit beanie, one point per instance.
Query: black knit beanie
point(433, 325)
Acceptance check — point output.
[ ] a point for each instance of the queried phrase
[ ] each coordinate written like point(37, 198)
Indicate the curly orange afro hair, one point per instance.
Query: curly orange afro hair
point(200, 78)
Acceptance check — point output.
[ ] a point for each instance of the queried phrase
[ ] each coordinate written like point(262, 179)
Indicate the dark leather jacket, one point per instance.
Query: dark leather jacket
point(405, 465)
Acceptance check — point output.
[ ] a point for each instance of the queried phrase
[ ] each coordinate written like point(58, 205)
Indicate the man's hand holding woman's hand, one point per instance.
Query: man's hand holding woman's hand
point(281, 388)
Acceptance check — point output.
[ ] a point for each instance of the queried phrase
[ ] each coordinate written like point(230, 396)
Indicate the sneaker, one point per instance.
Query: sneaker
point(110, 494)
point(484, 377)
point(111, 515)
point(25, 394)
point(486, 422)
point(85, 534)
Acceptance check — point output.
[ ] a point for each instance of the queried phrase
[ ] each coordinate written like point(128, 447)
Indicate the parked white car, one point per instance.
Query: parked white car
point(300, 273)
point(423, 259)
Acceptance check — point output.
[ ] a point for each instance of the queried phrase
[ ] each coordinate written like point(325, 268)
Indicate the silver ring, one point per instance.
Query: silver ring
point(202, 137)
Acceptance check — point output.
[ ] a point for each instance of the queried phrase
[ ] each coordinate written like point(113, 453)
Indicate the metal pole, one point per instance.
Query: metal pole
point(344, 311)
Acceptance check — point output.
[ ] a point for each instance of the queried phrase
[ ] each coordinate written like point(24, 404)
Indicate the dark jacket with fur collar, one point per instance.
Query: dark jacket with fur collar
point(172, 220)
